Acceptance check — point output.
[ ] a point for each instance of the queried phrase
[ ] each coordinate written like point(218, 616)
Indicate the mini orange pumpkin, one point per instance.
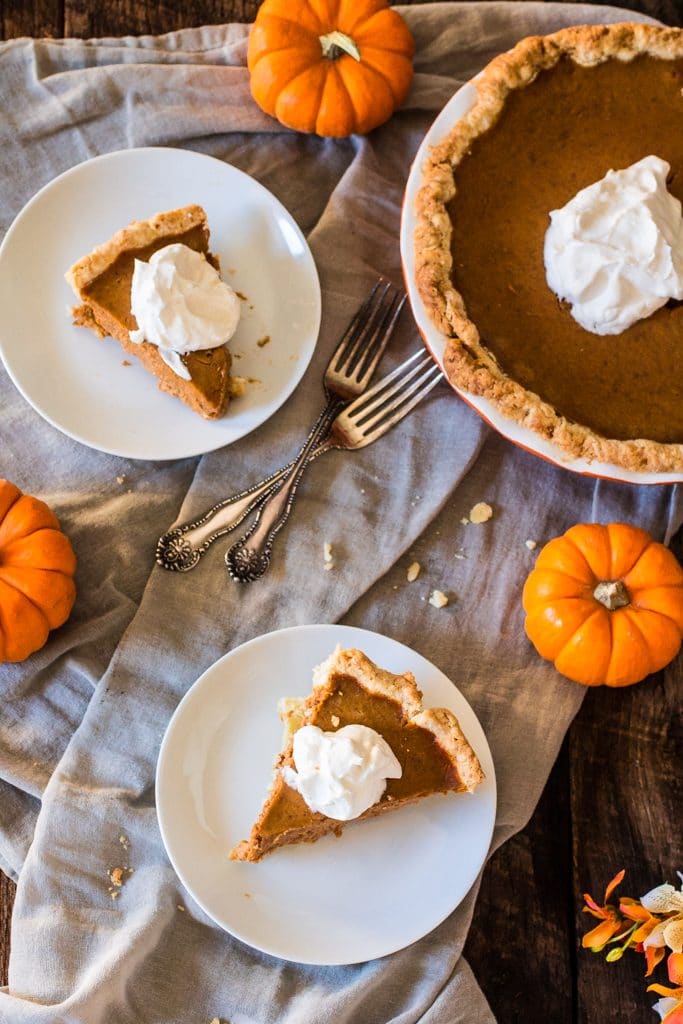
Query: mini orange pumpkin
point(37, 564)
point(605, 604)
point(333, 67)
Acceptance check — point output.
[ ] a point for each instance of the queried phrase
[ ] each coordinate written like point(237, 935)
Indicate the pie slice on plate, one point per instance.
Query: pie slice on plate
point(102, 283)
point(350, 690)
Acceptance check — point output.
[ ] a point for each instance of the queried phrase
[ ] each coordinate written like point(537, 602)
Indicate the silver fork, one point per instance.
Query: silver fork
point(365, 420)
point(348, 374)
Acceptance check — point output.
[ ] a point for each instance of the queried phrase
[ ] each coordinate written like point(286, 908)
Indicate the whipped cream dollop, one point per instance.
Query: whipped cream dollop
point(341, 773)
point(615, 251)
point(181, 305)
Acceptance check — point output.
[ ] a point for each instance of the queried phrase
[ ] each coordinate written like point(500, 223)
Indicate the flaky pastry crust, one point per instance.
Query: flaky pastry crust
point(469, 364)
point(137, 235)
point(441, 722)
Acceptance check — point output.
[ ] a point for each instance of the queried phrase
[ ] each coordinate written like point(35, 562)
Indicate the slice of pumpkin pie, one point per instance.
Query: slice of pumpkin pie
point(154, 287)
point(360, 745)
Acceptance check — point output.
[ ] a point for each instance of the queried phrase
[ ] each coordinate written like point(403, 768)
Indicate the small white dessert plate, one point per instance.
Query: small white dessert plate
point(455, 109)
point(80, 384)
point(334, 901)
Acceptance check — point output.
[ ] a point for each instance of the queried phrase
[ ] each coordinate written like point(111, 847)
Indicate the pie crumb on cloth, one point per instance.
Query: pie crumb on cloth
point(481, 513)
point(413, 572)
point(118, 876)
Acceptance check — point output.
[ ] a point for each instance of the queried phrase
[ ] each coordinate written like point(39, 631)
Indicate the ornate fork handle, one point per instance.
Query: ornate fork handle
point(181, 548)
point(249, 558)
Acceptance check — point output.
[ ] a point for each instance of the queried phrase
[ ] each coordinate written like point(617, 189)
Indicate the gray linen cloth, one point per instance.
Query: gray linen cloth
point(82, 720)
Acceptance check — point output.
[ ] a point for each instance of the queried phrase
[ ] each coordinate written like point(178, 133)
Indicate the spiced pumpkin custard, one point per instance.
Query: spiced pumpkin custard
point(552, 117)
point(357, 719)
point(103, 281)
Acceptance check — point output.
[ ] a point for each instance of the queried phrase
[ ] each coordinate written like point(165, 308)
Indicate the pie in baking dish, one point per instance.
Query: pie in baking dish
point(553, 116)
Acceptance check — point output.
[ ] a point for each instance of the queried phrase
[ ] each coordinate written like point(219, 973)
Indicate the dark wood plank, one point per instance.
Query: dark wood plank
point(84, 19)
point(31, 18)
point(668, 11)
point(626, 748)
point(626, 797)
point(521, 942)
point(7, 891)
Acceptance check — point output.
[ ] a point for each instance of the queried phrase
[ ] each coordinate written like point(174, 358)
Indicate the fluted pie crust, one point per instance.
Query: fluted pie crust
point(469, 364)
point(350, 689)
point(101, 281)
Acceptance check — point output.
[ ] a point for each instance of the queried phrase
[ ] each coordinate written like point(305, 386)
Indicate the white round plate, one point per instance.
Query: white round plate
point(455, 109)
point(334, 901)
point(79, 383)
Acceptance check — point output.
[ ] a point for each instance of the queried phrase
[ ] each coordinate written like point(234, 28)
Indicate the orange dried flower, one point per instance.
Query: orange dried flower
point(652, 925)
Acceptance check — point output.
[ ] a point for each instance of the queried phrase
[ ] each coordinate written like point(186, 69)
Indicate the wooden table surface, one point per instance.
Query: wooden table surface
point(614, 797)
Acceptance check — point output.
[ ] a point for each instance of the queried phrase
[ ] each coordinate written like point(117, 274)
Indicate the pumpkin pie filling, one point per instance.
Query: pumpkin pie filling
point(425, 766)
point(111, 288)
point(434, 755)
point(576, 123)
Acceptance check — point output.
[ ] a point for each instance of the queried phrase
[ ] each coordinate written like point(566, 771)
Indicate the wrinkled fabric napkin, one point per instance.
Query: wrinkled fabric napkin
point(82, 720)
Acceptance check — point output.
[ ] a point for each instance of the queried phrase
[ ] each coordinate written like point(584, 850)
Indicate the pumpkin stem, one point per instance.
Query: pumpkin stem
point(334, 44)
point(612, 593)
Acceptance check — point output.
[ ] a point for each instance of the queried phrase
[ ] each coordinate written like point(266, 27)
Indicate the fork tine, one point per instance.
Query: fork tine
point(375, 349)
point(356, 321)
point(368, 333)
point(401, 412)
point(371, 419)
point(397, 401)
point(389, 386)
point(359, 324)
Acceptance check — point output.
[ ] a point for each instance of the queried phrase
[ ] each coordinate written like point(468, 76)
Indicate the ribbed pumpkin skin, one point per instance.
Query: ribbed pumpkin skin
point(586, 641)
point(304, 90)
point(37, 564)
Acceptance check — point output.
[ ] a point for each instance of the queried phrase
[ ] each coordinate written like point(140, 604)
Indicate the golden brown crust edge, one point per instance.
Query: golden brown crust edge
point(468, 363)
point(137, 235)
point(372, 678)
point(441, 722)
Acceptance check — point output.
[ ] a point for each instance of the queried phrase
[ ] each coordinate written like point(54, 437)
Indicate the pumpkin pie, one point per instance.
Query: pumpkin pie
point(349, 689)
point(551, 117)
point(102, 283)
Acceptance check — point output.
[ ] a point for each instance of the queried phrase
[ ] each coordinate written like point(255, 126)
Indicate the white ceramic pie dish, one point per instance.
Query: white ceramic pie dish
point(436, 342)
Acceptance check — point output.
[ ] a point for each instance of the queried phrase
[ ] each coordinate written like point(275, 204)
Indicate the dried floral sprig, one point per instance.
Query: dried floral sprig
point(652, 925)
